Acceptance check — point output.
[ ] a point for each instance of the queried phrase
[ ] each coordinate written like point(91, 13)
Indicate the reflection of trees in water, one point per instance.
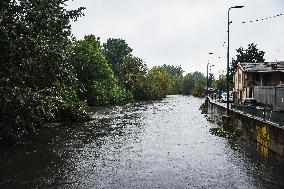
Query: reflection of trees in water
point(59, 154)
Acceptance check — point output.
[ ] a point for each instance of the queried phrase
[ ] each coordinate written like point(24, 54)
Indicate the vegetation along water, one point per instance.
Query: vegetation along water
point(48, 76)
point(82, 113)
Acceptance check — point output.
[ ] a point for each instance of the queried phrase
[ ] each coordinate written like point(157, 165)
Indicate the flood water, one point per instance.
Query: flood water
point(165, 144)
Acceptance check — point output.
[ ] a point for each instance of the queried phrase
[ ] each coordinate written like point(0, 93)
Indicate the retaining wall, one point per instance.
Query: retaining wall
point(269, 136)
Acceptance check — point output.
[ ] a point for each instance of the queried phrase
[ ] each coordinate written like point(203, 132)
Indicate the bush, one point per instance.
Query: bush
point(24, 111)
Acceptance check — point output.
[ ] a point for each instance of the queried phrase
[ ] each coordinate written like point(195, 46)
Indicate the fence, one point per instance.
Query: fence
point(270, 95)
point(264, 113)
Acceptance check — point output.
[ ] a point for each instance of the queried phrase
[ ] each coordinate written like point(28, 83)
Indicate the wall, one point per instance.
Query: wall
point(269, 137)
point(280, 98)
point(268, 94)
point(265, 94)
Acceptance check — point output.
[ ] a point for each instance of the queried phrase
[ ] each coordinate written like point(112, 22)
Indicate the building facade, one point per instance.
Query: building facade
point(262, 81)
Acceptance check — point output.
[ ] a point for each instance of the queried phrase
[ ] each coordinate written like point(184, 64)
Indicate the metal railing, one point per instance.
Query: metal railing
point(267, 114)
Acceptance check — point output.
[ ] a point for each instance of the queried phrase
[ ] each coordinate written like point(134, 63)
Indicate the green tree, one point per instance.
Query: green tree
point(199, 88)
point(220, 83)
point(188, 84)
point(173, 70)
point(199, 76)
point(251, 54)
point(157, 84)
point(96, 78)
point(115, 51)
point(132, 70)
point(194, 84)
point(177, 85)
point(176, 75)
point(36, 80)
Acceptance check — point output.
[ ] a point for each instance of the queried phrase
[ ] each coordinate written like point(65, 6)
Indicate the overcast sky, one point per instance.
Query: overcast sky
point(183, 32)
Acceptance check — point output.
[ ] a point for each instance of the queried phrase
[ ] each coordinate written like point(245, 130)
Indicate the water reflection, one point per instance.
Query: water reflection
point(164, 144)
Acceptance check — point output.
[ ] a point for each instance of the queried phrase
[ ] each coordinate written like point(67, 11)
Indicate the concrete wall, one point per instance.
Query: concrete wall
point(269, 137)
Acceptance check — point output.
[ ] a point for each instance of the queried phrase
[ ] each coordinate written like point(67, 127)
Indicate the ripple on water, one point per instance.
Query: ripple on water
point(160, 144)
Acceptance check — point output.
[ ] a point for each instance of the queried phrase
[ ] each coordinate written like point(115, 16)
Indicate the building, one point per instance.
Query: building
point(262, 81)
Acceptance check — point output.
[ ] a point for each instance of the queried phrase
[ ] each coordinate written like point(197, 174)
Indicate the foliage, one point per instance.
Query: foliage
point(177, 85)
point(188, 84)
point(115, 51)
point(176, 76)
point(199, 88)
point(220, 83)
point(132, 72)
point(157, 84)
point(37, 82)
point(251, 54)
point(174, 71)
point(199, 84)
point(95, 77)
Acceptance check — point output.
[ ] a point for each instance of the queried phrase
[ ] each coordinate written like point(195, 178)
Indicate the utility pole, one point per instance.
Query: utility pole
point(228, 55)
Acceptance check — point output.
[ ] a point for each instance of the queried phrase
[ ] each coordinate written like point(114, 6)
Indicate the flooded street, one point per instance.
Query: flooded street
point(165, 144)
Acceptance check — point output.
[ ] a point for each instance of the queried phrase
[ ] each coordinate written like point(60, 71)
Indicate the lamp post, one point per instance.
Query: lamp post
point(228, 54)
point(207, 84)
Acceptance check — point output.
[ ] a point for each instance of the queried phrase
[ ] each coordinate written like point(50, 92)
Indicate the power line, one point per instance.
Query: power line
point(262, 19)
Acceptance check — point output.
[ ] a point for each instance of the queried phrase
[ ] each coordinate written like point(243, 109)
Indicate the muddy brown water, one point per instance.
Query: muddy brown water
point(163, 144)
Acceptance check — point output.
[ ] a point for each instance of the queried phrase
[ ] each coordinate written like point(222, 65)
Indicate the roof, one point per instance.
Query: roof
point(263, 67)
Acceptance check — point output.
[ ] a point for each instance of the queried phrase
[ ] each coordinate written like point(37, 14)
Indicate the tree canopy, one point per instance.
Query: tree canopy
point(250, 54)
point(37, 83)
point(97, 83)
point(115, 51)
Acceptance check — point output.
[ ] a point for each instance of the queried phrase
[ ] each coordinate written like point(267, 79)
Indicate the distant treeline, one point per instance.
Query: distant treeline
point(48, 76)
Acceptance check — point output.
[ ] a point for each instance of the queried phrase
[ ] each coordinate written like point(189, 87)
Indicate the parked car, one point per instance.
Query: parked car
point(250, 102)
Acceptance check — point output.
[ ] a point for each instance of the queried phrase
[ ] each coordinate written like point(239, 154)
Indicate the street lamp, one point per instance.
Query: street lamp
point(228, 54)
point(207, 75)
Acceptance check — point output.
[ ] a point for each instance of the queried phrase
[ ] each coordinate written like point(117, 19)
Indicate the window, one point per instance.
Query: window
point(257, 77)
point(267, 79)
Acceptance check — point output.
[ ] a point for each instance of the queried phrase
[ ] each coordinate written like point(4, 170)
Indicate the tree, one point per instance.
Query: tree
point(132, 70)
point(194, 84)
point(176, 75)
point(36, 80)
point(157, 84)
point(115, 51)
point(199, 76)
point(251, 54)
point(173, 70)
point(188, 84)
point(96, 78)
point(220, 83)
point(199, 88)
